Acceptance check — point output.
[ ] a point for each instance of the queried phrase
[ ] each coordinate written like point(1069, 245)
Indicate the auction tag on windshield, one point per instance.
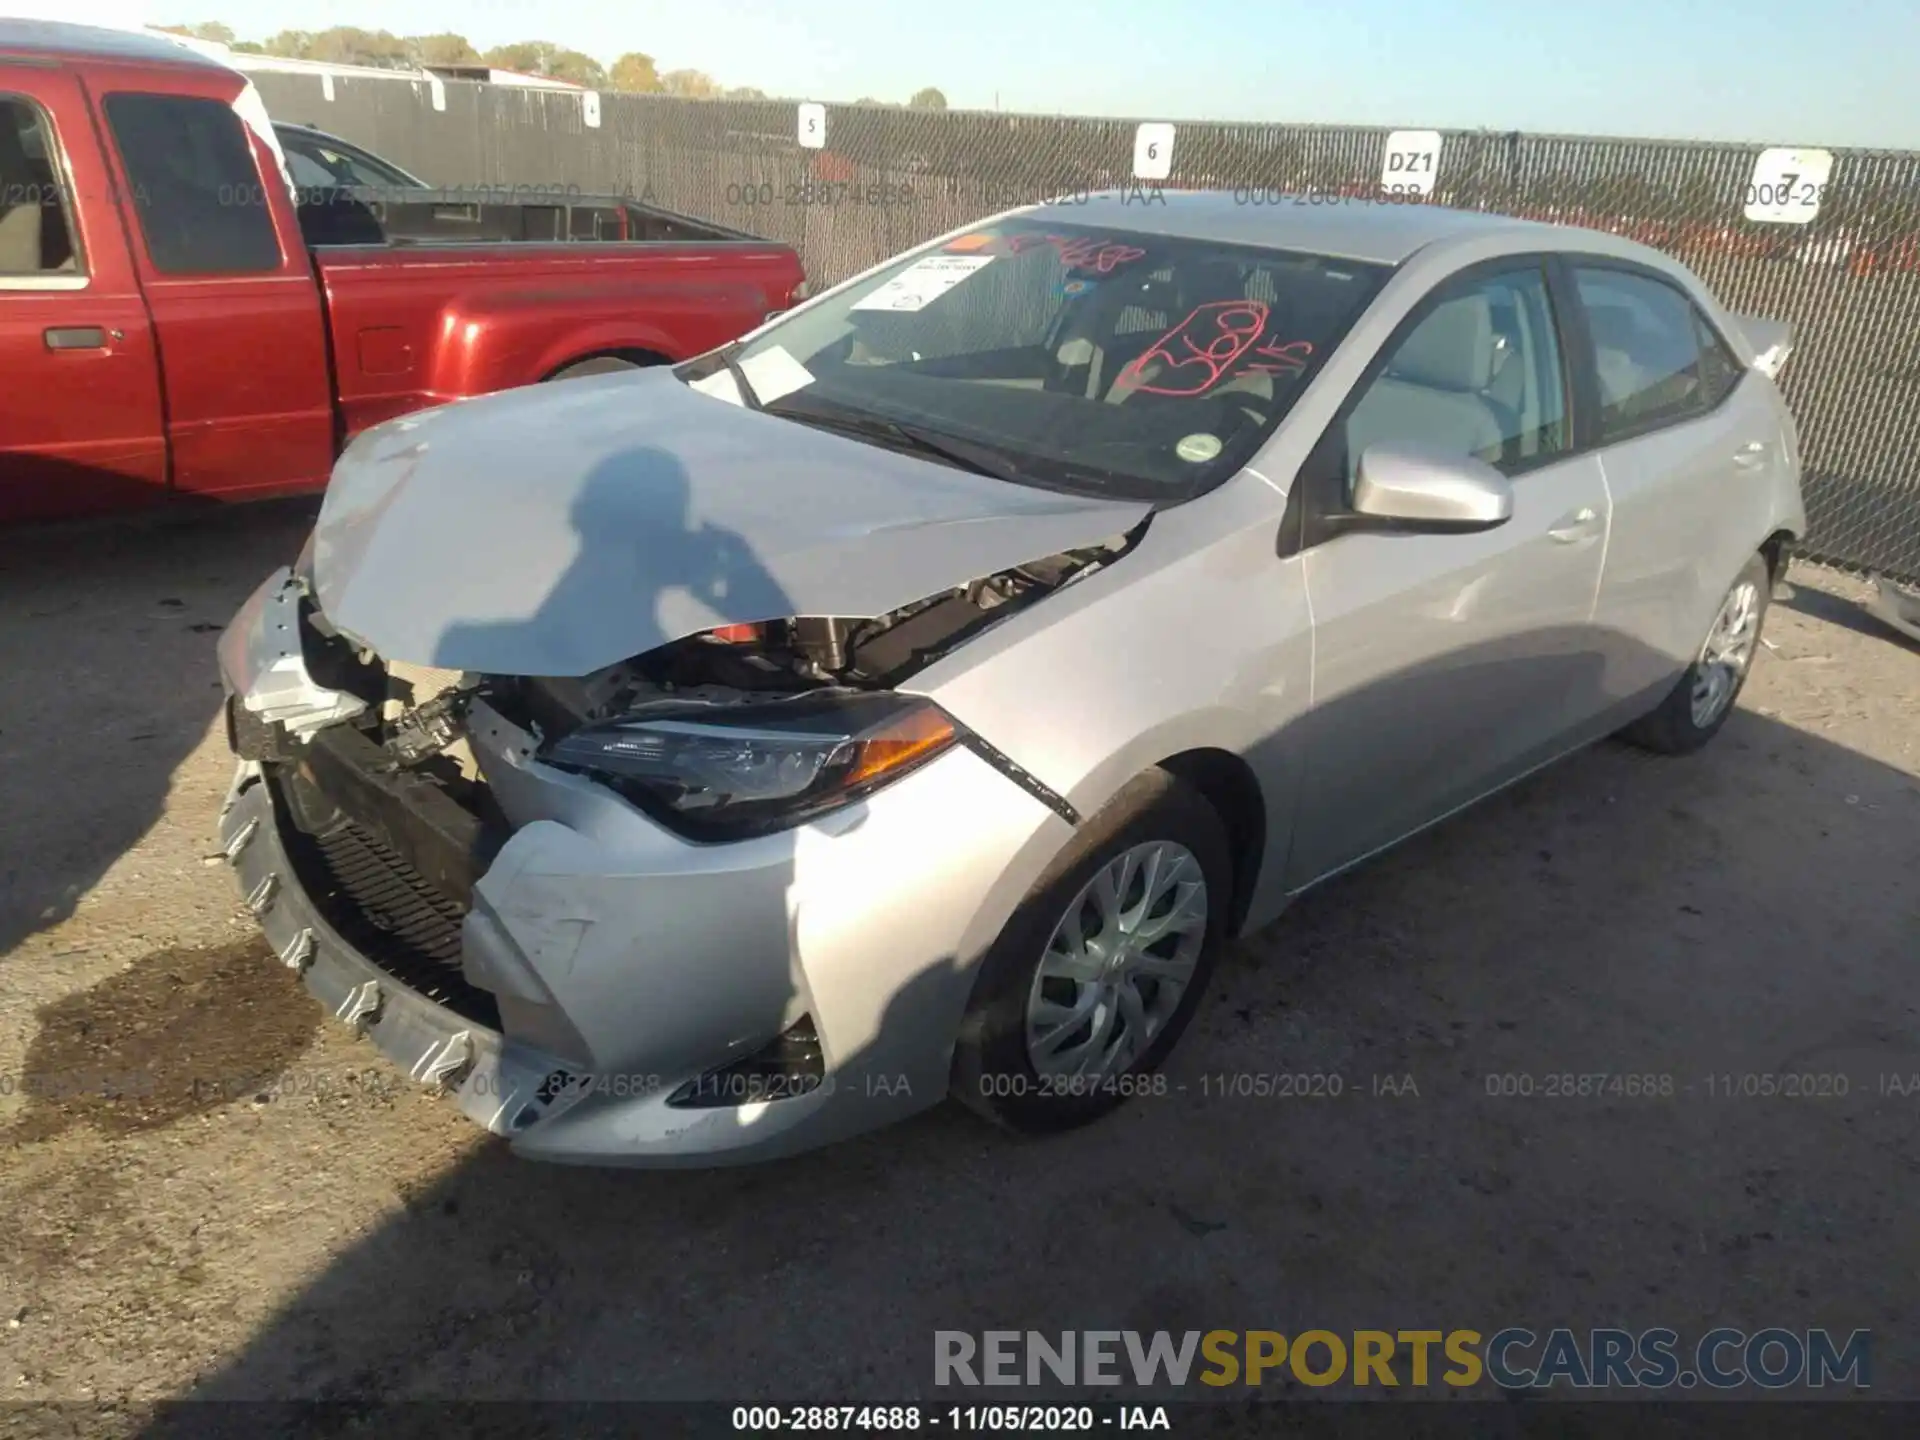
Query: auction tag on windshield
point(922, 282)
point(1787, 186)
point(772, 373)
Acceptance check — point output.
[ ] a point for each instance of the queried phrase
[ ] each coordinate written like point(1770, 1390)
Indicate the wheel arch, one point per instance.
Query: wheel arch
point(1778, 548)
point(1227, 783)
point(632, 355)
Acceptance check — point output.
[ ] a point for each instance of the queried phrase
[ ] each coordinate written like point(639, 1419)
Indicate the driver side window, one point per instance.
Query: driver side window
point(1480, 375)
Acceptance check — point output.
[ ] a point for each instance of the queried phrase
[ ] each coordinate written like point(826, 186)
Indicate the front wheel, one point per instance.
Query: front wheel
point(1100, 969)
point(1699, 703)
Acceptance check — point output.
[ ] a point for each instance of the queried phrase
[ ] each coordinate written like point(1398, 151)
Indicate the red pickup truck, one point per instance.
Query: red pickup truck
point(166, 330)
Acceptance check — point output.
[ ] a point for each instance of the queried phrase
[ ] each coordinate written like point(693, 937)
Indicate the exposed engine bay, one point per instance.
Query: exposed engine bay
point(746, 663)
point(417, 713)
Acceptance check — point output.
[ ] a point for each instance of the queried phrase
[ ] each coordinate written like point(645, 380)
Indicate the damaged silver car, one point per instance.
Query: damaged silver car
point(696, 765)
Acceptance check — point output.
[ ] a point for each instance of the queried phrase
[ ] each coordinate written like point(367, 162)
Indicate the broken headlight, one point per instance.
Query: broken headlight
point(752, 769)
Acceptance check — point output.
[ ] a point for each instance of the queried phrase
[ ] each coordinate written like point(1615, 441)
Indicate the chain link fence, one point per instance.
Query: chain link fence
point(1848, 281)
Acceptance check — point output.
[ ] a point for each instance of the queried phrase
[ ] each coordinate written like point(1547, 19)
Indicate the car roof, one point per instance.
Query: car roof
point(1349, 228)
point(61, 40)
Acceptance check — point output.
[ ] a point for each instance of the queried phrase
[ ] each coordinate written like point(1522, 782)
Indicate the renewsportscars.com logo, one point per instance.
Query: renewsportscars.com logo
point(1511, 1359)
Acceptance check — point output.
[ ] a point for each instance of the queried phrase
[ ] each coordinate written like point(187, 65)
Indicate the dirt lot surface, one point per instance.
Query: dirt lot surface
point(262, 1209)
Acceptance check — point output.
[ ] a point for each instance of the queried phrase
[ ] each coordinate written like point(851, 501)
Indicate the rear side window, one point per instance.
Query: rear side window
point(1657, 359)
point(194, 184)
point(1720, 369)
point(36, 232)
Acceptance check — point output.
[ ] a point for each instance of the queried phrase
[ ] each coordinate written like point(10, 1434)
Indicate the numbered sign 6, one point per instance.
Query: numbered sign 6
point(1787, 186)
point(813, 126)
point(1153, 151)
point(1411, 163)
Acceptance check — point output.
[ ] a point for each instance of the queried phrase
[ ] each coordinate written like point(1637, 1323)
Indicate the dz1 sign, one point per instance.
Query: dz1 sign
point(1411, 162)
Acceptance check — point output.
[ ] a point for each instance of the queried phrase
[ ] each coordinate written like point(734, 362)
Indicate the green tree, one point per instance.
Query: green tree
point(206, 30)
point(350, 45)
point(634, 72)
point(745, 92)
point(543, 57)
point(690, 84)
point(290, 44)
point(927, 99)
point(443, 49)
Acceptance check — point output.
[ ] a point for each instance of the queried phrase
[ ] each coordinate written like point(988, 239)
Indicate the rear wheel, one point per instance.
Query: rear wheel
point(1098, 972)
point(599, 365)
point(1701, 700)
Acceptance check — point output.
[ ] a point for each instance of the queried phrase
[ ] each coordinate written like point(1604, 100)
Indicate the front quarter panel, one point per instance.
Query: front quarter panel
point(1199, 638)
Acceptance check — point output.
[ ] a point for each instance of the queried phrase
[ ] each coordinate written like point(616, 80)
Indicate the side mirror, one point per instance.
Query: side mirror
point(1410, 487)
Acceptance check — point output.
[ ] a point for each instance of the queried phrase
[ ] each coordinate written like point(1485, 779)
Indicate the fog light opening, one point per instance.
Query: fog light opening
point(788, 1066)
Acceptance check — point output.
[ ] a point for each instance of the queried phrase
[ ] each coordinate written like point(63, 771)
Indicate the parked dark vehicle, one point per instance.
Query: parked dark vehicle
point(318, 161)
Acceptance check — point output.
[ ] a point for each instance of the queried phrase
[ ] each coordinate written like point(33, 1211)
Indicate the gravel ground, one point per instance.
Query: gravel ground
point(264, 1211)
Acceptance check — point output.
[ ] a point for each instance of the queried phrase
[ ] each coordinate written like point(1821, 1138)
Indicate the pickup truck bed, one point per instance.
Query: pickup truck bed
point(471, 214)
point(401, 342)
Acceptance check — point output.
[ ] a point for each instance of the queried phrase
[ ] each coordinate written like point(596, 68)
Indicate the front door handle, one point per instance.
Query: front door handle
point(1577, 526)
point(1750, 456)
point(77, 337)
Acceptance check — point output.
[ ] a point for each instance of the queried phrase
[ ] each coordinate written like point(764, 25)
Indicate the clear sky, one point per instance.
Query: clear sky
point(1785, 72)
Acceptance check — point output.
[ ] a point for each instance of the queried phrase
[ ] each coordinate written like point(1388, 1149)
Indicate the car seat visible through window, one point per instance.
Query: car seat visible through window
point(1432, 392)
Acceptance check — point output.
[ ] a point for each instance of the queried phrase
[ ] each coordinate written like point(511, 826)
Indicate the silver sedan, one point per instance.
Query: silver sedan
point(910, 699)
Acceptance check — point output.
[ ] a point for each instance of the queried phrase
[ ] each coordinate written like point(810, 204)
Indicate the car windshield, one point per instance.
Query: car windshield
point(1068, 356)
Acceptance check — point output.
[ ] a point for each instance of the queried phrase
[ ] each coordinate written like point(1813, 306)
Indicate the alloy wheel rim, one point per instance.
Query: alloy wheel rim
point(1726, 654)
point(1117, 963)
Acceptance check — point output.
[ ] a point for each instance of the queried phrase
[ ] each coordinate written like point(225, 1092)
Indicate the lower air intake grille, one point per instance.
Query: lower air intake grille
point(383, 908)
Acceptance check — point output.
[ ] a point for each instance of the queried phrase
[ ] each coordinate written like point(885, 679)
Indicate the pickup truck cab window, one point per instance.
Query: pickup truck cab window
point(194, 185)
point(36, 227)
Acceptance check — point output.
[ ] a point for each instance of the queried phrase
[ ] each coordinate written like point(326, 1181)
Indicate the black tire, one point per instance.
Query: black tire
point(992, 1072)
point(1670, 729)
point(599, 365)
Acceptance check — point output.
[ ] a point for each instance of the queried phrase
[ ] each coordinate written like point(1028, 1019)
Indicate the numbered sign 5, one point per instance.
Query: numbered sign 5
point(1787, 186)
point(813, 126)
point(1153, 151)
point(1411, 163)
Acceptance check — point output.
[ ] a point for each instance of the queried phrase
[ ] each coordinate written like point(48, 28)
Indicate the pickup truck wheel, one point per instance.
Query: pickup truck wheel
point(599, 365)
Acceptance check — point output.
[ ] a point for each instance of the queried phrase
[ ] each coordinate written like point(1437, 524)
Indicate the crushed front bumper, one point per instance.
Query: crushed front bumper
point(496, 1083)
point(619, 963)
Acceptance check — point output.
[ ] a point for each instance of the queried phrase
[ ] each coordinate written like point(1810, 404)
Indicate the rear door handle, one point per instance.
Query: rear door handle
point(77, 337)
point(1577, 526)
point(1751, 455)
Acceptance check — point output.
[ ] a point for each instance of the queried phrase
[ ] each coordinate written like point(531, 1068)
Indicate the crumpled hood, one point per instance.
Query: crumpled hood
point(557, 529)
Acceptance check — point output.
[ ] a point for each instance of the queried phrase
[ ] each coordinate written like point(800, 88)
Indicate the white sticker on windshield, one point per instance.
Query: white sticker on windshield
point(772, 373)
point(1196, 448)
point(923, 282)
